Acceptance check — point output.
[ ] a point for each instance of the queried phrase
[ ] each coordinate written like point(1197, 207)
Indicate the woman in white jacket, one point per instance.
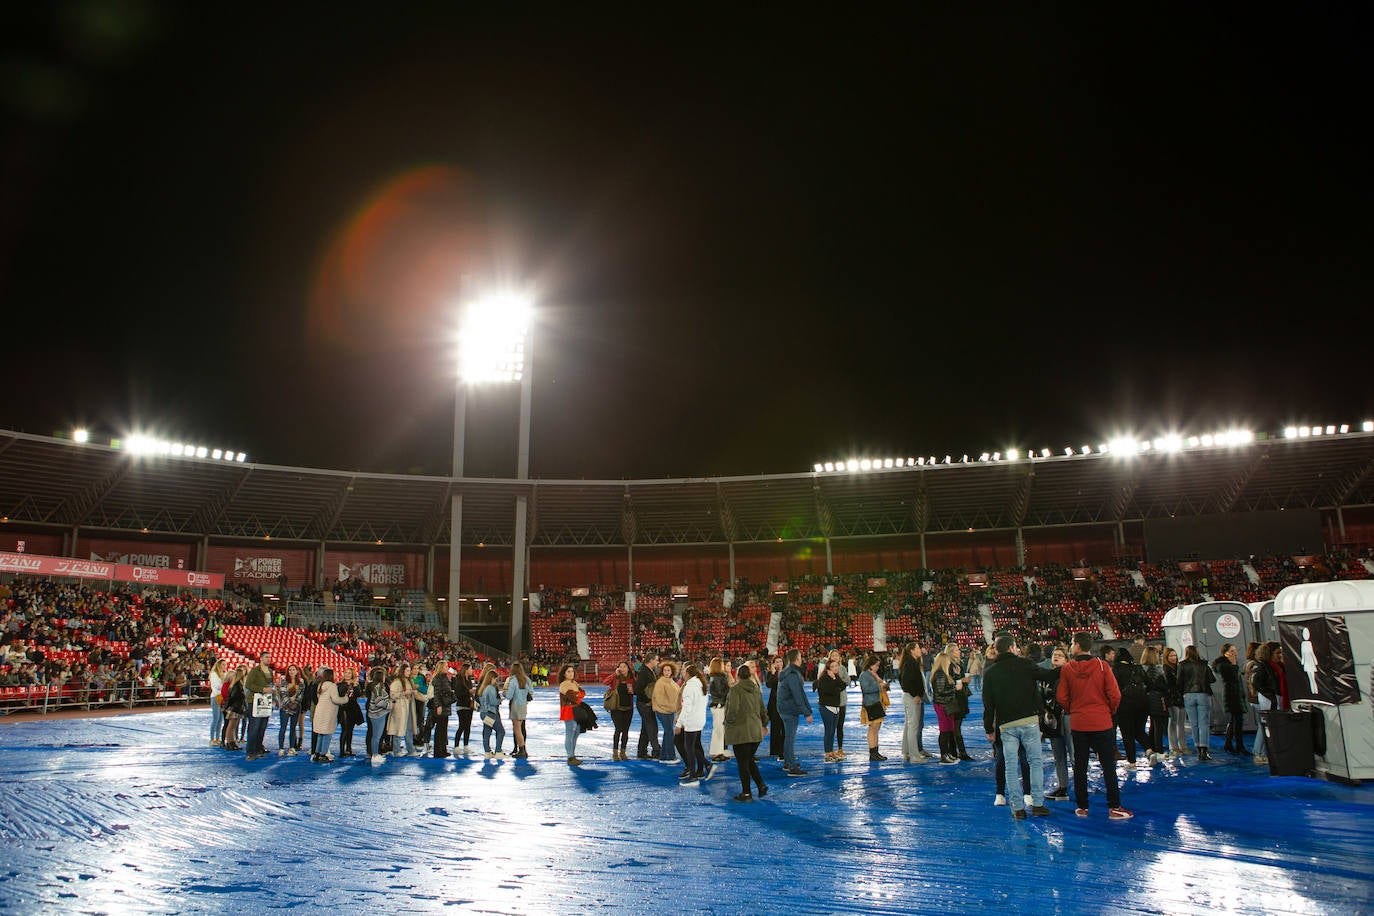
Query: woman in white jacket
point(217, 675)
point(690, 722)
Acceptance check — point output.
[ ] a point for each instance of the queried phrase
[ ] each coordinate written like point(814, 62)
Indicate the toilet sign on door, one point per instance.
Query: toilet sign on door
point(1228, 626)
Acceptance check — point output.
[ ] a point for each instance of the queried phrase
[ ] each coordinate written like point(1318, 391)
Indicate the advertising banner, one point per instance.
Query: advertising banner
point(260, 566)
point(137, 553)
point(391, 569)
point(33, 565)
point(48, 545)
point(178, 578)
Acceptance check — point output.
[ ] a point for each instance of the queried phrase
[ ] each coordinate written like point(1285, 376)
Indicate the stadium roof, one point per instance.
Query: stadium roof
point(51, 482)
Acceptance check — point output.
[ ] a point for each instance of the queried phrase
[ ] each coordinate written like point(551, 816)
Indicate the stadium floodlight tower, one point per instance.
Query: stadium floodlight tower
point(493, 349)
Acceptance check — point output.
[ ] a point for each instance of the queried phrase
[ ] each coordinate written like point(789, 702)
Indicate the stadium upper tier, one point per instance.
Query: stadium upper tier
point(65, 485)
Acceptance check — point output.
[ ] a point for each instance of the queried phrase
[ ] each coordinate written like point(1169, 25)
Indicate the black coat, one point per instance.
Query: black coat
point(351, 713)
point(1230, 682)
point(1195, 677)
point(1173, 696)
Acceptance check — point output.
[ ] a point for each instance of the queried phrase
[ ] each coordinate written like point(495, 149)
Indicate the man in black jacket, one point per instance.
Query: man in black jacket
point(1011, 704)
point(913, 684)
point(644, 702)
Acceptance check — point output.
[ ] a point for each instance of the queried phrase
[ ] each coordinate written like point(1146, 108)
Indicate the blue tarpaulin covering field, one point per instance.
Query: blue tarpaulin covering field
point(135, 813)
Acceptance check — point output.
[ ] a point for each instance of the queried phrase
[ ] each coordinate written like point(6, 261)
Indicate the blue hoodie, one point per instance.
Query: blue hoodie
point(792, 699)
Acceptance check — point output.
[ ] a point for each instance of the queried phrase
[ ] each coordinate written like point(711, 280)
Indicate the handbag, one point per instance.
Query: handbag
point(262, 705)
point(489, 721)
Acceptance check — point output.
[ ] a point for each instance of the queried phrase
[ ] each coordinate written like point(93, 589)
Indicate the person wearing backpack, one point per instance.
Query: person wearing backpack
point(378, 708)
point(1134, 710)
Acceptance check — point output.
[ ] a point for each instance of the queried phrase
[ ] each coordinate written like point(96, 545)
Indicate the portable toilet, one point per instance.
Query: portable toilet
point(1327, 633)
point(1263, 612)
point(1210, 625)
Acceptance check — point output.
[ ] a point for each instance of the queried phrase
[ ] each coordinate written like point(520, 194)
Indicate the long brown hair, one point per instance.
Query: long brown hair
point(517, 671)
point(691, 670)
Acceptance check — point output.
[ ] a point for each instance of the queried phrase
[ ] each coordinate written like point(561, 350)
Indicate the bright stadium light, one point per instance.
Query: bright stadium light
point(1013, 454)
point(1331, 430)
point(1304, 432)
point(240, 457)
point(1290, 432)
point(1123, 447)
point(1367, 426)
point(81, 435)
point(1345, 428)
point(492, 340)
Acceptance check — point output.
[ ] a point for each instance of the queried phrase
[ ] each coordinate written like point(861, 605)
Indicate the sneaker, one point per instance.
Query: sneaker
point(1081, 812)
point(841, 754)
point(763, 790)
point(328, 756)
point(711, 771)
point(690, 781)
point(1000, 801)
point(378, 758)
point(400, 754)
point(292, 752)
point(796, 771)
point(1026, 800)
point(281, 752)
point(683, 775)
point(499, 754)
point(744, 796)
point(1019, 814)
point(574, 762)
point(1119, 814)
point(1040, 811)
point(949, 759)
point(215, 742)
point(1130, 764)
point(1261, 761)
point(1058, 795)
point(489, 754)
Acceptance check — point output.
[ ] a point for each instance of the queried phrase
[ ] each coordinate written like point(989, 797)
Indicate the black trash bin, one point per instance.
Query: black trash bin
point(1288, 742)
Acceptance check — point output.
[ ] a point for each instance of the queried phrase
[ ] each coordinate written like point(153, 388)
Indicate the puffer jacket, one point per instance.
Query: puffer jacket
point(1089, 693)
point(791, 693)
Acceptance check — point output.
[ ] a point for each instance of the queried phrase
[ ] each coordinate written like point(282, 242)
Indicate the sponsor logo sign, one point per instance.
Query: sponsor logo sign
point(374, 573)
point(257, 568)
point(1228, 626)
point(158, 560)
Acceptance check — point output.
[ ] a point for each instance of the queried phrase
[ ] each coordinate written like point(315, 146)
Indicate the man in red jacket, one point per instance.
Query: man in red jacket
point(1089, 694)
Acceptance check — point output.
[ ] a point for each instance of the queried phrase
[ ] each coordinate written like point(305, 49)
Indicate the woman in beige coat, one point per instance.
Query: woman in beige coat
point(398, 723)
point(325, 718)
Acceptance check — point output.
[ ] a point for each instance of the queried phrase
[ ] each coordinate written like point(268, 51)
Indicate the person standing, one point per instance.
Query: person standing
point(792, 705)
point(873, 687)
point(258, 684)
point(746, 724)
point(1011, 705)
point(442, 688)
point(288, 697)
point(959, 709)
point(326, 717)
point(378, 708)
point(217, 676)
point(398, 724)
point(913, 684)
point(1155, 689)
point(1089, 693)
point(350, 714)
point(665, 700)
point(464, 700)
point(1226, 668)
point(570, 693)
point(1134, 710)
point(489, 708)
point(1195, 680)
point(835, 655)
point(719, 684)
point(1054, 724)
point(830, 686)
point(976, 666)
point(645, 680)
point(622, 688)
point(1173, 701)
point(691, 722)
point(1247, 677)
point(518, 695)
point(778, 734)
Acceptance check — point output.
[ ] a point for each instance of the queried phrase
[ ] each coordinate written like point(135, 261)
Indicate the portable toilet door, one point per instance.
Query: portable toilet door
point(1216, 623)
point(1268, 625)
point(1177, 628)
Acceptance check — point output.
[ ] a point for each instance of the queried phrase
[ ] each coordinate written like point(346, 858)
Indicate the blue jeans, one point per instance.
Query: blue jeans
point(1060, 748)
point(570, 733)
point(789, 741)
point(374, 735)
point(322, 743)
point(216, 719)
point(257, 729)
point(1198, 706)
point(396, 743)
point(487, 730)
point(665, 723)
point(1261, 706)
point(1028, 737)
point(830, 720)
point(287, 729)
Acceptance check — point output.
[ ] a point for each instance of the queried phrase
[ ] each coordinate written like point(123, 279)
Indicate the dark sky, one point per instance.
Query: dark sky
point(757, 242)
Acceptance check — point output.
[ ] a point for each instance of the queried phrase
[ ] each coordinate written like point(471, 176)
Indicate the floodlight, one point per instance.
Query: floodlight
point(1172, 442)
point(1304, 432)
point(1290, 432)
point(1193, 442)
point(851, 465)
point(202, 452)
point(1087, 450)
point(1345, 428)
point(1068, 452)
point(865, 464)
point(240, 457)
point(1207, 439)
point(1045, 453)
point(1143, 445)
point(216, 454)
point(492, 340)
point(81, 435)
point(830, 465)
point(996, 456)
point(1125, 447)
point(1013, 454)
point(1368, 426)
point(948, 460)
point(1331, 430)
point(818, 468)
point(984, 457)
point(1316, 430)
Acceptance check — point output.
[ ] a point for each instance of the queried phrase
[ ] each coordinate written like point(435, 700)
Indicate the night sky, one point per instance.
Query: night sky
point(757, 242)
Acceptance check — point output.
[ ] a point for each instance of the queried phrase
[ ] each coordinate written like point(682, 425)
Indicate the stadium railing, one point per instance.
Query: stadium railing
point(123, 694)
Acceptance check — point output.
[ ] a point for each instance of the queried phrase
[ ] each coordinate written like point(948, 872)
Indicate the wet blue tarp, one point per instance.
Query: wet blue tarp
point(136, 813)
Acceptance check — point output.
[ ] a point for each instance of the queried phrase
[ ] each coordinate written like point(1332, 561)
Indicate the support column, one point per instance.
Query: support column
point(455, 525)
point(1020, 547)
point(630, 566)
point(319, 566)
point(732, 564)
point(829, 559)
point(1340, 520)
point(924, 564)
point(520, 548)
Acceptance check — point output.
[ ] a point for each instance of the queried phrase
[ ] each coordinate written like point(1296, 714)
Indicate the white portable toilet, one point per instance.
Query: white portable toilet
point(1263, 612)
point(1209, 625)
point(1327, 631)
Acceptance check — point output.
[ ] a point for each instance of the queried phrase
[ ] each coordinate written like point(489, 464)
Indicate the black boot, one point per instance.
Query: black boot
point(874, 756)
point(947, 754)
point(963, 753)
